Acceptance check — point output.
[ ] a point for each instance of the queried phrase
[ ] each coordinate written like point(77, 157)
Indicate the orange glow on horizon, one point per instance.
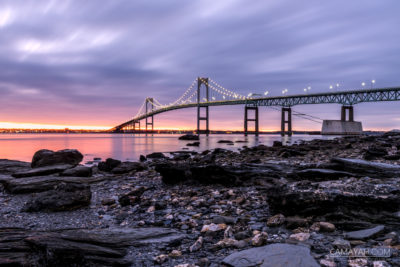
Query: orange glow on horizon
point(38, 126)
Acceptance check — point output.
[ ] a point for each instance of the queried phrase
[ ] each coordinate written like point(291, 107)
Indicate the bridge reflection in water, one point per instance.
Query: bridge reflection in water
point(217, 95)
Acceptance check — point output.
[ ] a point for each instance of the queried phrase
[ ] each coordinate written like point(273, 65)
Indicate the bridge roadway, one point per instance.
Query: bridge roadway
point(346, 98)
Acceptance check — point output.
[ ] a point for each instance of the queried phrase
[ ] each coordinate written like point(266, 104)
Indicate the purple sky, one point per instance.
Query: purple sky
point(93, 62)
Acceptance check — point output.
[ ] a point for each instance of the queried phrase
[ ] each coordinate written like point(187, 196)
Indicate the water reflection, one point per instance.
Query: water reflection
point(126, 146)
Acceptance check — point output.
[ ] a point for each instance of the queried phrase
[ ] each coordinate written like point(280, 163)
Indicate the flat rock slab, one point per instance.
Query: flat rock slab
point(127, 166)
point(275, 255)
point(80, 247)
point(42, 183)
point(369, 168)
point(67, 196)
point(43, 170)
point(321, 174)
point(13, 166)
point(78, 171)
point(366, 233)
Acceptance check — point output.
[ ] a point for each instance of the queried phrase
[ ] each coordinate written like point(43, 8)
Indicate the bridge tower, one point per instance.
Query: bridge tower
point(134, 126)
point(201, 81)
point(286, 120)
point(247, 119)
point(344, 113)
point(149, 107)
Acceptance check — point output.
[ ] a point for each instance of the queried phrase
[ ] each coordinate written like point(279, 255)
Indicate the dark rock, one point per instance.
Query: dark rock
point(193, 144)
point(132, 197)
point(156, 155)
point(46, 170)
point(78, 171)
point(108, 165)
point(392, 157)
point(366, 233)
point(42, 183)
point(46, 157)
point(374, 152)
point(108, 201)
point(142, 158)
point(127, 166)
point(182, 156)
point(272, 256)
point(223, 219)
point(97, 247)
point(67, 196)
point(288, 152)
point(368, 168)
point(243, 235)
point(348, 199)
point(189, 137)
point(13, 166)
point(173, 173)
point(225, 142)
point(277, 144)
point(320, 174)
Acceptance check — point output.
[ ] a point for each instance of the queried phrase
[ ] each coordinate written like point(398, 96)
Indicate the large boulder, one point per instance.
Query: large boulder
point(275, 255)
point(67, 196)
point(46, 157)
point(367, 168)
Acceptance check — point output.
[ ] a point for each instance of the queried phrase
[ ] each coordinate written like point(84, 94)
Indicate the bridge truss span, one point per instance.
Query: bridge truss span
point(217, 95)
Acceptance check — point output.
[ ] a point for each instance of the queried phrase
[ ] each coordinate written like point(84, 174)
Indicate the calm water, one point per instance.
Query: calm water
point(123, 146)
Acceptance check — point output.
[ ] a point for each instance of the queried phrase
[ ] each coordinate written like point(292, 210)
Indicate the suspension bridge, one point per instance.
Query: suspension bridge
point(205, 92)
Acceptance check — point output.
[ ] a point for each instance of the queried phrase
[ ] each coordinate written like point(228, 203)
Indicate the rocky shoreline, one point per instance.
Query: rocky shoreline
point(316, 203)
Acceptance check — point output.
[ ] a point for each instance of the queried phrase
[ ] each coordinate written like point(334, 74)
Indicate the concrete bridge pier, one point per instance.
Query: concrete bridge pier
point(286, 119)
point(247, 119)
point(346, 124)
point(205, 117)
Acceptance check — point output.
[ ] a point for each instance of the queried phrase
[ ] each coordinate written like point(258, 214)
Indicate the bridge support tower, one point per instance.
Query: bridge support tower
point(204, 117)
point(134, 126)
point(286, 120)
point(149, 107)
point(350, 112)
point(247, 120)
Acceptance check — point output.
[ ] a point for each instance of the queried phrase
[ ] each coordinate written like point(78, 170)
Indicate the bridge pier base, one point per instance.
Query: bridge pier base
point(286, 120)
point(247, 119)
point(345, 126)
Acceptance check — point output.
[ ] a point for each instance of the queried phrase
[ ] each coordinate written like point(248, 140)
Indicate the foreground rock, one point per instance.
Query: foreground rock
point(67, 196)
point(13, 166)
point(366, 233)
point(97, 247)
point(275, 255)
point(126, 167)
point(42, 183)
point(343, 202)
point(46, 157)
point(78, 171)
point(46, 170)
point(368, 168)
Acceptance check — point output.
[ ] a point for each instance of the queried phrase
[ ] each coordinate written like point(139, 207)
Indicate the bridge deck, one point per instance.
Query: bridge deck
point(342, 97)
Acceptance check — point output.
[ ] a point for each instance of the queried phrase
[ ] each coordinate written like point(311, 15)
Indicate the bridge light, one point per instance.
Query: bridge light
point(266, 93)
point(213, 98)
point(223, 97)
point(337, 85)
point(205, 99)
point(305, 89)
point(363, 84)
point(330, 86)
point(309, 88)
point(373, 81)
